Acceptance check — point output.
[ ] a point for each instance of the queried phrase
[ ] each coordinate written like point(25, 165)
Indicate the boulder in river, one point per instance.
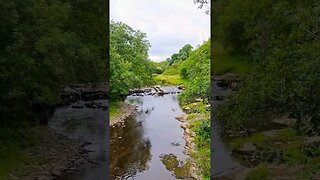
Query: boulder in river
point(181, 118)
point(77, 106)
point(284, 121)
point(314, 140)
point(246, 149)
point(271, 134)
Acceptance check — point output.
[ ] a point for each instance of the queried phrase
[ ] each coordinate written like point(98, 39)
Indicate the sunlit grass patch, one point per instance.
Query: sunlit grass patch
point(169, 80)
point(257, 139)
point(114, 108)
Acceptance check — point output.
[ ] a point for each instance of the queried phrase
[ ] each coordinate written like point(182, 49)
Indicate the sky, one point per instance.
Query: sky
point(169, 24)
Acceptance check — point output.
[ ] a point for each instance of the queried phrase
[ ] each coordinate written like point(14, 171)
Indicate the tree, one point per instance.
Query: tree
point(196, 69)
point(283, 39)
point(129, 63)
point(45, 44)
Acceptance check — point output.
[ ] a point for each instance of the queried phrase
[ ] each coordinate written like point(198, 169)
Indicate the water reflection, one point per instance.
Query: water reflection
point(81, 125)
point(127, 162)
point(137, 144)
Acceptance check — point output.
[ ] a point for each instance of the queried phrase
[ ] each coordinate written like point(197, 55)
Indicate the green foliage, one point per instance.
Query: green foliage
point(258, 139)
point(114, 108)
point(129, 63)
point(224, 63)
point(200, 123)
point(173, 69)
point(196, 69)
point(293, 156)
point(202, 141)
point(11, 152)
point(45, 44)
point(182, 55)
point(282, 39)
point(260, 172)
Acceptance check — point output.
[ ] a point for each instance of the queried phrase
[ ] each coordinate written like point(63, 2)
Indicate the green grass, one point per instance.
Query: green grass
point(225, 63)
point(169, 80)
point(114, 108)
point(258, 173)
point(291, 152)
point(174, 69)
point(258, 139)
point(202, 151)
point(12, 145)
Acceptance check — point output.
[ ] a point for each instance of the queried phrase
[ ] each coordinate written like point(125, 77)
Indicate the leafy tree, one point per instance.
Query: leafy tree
point(45, 44)
point(196, 69)
point(129, 63)
point(282, 37)
point(182, 55)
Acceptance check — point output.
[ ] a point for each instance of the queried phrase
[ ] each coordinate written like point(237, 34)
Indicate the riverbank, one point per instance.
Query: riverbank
point(281, 146)
point(121, 111)
point(152, 142)
point(46, 155)
point(196, 126)
point(195, 123)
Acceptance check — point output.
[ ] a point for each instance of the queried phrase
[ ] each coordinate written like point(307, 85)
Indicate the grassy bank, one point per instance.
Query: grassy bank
point(114, 109)
point(12, 155)
point(285, 151)
point(198, 118)
point(169, 80)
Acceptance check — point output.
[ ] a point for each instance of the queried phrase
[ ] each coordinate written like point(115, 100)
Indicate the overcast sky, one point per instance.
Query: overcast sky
point(169, 24)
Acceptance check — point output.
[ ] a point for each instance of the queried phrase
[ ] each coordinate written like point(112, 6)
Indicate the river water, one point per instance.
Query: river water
point(137, 144)
point(85, 124)
point(222, 159)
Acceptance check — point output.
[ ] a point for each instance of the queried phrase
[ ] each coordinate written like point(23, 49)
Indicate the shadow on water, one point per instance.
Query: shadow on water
point(138, 144)
point(133, 158)
point(85, 124)
point(221, 156)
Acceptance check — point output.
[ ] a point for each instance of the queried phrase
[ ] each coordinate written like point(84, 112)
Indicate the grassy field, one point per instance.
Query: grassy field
point(169, 80)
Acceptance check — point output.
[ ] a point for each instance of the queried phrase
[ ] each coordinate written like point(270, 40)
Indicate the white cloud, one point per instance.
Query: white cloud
point(169, 24)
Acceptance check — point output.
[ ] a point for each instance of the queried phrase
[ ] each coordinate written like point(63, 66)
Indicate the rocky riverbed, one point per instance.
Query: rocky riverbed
point(189, 146)
point(277, 151)
point(150, 143)
point(52, 156)
point(126, 110)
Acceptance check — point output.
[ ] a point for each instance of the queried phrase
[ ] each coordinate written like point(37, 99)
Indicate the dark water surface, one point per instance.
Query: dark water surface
point(221, 155)
point(85, 124)
point(137, 144)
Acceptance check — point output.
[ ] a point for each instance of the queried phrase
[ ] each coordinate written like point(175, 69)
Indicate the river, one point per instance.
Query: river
point(137, 144)
point(85, 124)
point(222, 159)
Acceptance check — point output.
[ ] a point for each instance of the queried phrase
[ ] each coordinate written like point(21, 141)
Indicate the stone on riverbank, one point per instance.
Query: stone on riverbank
point(246, 149)
point(126, 110)
point(52, 156)
point(284, 121)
